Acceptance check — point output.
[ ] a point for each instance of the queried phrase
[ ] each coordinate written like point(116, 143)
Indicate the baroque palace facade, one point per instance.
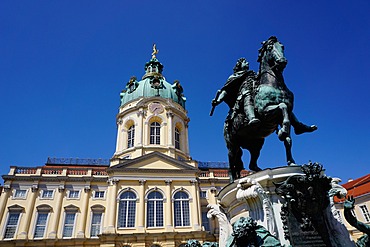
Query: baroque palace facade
point(149, 194)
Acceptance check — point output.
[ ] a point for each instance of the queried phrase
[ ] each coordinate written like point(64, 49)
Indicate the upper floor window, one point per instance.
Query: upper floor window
point(127, 209)
point(155, 209)
point(177, 138)
point(365, 213)
point(203, 194)
point(40, 226)
point(155, 133)
point(11, 224)
point(99, 194)
point(74, 194)
point(181, 209)
point(20, 193)
point(47, 194)
point(130, 136)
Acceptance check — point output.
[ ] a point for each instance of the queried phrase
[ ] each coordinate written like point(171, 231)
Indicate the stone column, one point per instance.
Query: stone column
point(56, 216)
point(112, 207)
point(3, 200)
point(141, 207)
point(140, 129)
point(81, 227)
point(168, 207)
point(119, 147)
point(186, 141)
point(196, 206)
point(170, 129)
point(24, 228)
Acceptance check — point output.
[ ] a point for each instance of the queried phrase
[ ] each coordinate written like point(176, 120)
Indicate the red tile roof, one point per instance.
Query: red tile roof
point(357, 187)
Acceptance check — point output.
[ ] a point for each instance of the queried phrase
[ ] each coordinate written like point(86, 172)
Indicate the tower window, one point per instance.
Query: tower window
point(181, 209)
point(126, 211)
point(155, 133)
point(155, 209)
point(130, 136)
point(177, 138)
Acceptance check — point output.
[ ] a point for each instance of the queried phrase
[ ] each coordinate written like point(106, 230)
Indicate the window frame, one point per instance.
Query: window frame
point(19, 212)
point(365, 212)
point(177, 138)
point(158, 208)
point(42, 196)
point(184, 210)
point(45, 226)
point(100, 225)
point(67, 212)
point(99, 192)
point(127, 204)
point(155, 133)
point(74, 191)
point(15, 196)
point(131, 136)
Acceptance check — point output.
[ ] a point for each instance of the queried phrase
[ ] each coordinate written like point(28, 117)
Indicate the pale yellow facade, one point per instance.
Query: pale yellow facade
point(150, 194)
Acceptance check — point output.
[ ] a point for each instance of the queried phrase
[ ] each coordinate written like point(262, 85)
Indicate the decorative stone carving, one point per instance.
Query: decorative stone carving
point(260, 205)
point(307, 214)
point(224, 224)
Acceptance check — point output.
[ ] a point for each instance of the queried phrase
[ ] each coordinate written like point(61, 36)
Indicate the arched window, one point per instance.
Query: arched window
point(126, 210)
point(155, 133)
point(177, 138)
point(181, 209)
point(155, 210)
point(130, 136)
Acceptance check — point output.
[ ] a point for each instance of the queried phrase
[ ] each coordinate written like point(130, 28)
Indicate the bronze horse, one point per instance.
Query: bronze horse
point(273, 106)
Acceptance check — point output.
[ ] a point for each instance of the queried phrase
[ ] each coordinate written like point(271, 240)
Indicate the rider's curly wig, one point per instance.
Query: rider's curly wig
point(238, 65)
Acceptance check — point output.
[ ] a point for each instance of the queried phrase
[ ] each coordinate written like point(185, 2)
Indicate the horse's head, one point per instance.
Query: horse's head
point(271, 54)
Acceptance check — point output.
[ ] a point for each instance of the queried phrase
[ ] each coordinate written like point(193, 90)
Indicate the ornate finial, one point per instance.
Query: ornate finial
point(155, 51)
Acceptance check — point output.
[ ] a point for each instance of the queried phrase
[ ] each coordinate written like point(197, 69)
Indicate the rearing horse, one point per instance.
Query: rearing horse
point(273, 103)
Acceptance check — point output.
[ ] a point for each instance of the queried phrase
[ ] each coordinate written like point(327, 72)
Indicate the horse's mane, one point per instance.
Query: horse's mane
point(265, 44)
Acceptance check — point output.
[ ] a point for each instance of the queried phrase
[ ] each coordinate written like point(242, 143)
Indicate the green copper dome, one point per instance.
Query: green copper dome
point(152, 84)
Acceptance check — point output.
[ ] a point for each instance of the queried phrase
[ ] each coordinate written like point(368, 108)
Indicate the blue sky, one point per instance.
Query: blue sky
point(64, 63)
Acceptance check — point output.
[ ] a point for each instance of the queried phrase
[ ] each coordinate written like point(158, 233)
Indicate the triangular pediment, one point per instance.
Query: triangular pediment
point(153, 161)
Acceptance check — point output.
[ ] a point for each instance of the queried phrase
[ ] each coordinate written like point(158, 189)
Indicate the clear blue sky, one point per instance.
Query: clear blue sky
point(64, 63)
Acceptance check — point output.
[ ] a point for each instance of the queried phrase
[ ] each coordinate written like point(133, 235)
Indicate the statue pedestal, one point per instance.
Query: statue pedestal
point(255, 196)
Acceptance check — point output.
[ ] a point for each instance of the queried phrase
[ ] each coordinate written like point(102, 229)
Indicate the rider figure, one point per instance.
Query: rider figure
point(238, 92)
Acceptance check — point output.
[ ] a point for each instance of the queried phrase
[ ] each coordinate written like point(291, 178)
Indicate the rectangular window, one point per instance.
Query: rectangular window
point(99, 194)
point(365, 213)
point(205, 221)
point(47, 194)
point(69, 223)
point(96, 224)
point(203, 194)
point(74, 194)
point(40, 227)
point(11, 225)
point(20, 194)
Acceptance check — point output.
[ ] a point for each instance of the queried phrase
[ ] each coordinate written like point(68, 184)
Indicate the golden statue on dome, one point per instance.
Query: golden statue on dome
point(155, 51)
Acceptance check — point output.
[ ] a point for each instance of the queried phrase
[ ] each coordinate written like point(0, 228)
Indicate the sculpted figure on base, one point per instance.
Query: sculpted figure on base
point(349, 205)
point(259, 105)
point(246, 233)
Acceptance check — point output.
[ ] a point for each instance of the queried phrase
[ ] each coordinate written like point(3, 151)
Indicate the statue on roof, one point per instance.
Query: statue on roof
point(155, 51)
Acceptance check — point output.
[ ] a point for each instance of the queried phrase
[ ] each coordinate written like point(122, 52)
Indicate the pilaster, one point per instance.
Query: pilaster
point(141, 211)
point(168, 207)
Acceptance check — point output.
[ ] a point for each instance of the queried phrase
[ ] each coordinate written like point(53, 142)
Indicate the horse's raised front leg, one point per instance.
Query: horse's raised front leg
point(284, 131)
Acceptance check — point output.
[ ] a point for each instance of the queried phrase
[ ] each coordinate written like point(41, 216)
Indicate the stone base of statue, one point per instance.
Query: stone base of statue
point(294, 204)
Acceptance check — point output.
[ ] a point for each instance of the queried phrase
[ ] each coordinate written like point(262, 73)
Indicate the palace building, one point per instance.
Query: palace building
point(149, 194)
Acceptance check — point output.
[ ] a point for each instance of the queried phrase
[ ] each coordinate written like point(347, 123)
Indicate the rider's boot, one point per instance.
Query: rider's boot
point(253, 121)
point(300, 128)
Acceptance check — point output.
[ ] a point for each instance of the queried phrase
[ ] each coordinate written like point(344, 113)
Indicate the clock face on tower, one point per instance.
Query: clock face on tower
point(156, 108)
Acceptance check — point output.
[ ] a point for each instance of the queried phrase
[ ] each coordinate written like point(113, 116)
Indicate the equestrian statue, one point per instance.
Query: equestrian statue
point(260, 104)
